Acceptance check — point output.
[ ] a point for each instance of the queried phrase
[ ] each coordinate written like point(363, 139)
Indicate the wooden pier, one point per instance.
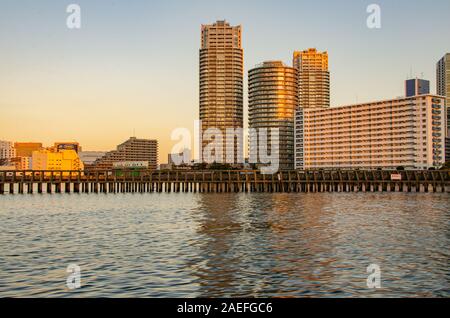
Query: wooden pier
point(223, 181)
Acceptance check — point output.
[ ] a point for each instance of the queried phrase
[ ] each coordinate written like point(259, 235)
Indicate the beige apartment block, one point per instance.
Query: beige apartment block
point(132, 150)
point(7, 150)
point(408, 132)
point(221, 84)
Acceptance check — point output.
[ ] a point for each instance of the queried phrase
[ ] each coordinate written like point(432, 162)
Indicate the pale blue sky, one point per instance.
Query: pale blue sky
point(134, 64)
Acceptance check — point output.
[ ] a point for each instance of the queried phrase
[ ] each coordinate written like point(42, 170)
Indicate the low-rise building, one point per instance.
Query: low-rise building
point(25, 149)
point(67, 145)
point(7, 168)
point(7, 152)
point(24, 152)
point(133, 149)
point(134, 168)
point(49, 159)
point(23, 163)
point(89, 157)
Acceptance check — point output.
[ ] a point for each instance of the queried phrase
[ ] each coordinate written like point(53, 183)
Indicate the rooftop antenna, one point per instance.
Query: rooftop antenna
point(134, 132)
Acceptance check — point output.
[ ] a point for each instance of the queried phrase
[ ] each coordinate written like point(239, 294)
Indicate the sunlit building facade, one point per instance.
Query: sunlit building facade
point(273, 99)
point(25, 149)
point(7, 152)
point(221, 85)
point(313, 77)
point(132, 150)
point(407, 132)
point(56, 160)
point(67, 145)
point(22, 163)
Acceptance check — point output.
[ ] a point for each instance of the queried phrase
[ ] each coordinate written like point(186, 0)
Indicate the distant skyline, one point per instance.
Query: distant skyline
point(132, 68)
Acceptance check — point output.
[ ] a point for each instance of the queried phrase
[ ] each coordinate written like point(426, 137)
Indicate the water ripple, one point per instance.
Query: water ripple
point(225, 245)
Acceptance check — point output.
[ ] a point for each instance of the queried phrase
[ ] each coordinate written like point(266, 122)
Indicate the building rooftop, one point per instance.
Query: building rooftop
point(271, 64)
point(381, 101)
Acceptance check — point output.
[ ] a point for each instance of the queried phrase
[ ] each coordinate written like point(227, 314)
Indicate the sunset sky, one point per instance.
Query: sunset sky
point(133, 65)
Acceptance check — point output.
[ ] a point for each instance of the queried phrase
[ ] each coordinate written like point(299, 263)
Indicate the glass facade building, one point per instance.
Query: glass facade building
point(417, 86)
point(273, 98)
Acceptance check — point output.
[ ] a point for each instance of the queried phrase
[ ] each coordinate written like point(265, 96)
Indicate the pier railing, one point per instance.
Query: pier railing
point(109, 181)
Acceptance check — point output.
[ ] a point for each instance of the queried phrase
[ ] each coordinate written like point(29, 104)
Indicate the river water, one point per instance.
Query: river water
point(225, 245)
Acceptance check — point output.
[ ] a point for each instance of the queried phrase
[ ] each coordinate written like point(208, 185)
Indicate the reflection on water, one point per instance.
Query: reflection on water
point(227, 245)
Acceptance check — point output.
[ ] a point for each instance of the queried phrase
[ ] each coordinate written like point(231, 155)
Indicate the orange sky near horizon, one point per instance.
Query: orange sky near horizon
point(132, 68)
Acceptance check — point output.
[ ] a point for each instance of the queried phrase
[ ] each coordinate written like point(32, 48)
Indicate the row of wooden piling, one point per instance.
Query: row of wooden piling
point(223, 182)
point(216, 187)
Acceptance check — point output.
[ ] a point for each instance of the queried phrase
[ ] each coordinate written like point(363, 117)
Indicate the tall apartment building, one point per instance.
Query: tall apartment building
point(273, 98)
point(443, 77)
point(417, 86)
point(7, 152)
point(133, 149)
point(408, 132)
point(221, 85)
point(443, 89)
point(314, 78)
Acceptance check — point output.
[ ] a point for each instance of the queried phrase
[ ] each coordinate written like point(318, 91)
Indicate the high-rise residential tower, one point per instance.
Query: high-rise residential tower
point(443, 77)
point(417, 86)
point(443, 89)
point(314, 78)
point(221, 86)
point(273, 98)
